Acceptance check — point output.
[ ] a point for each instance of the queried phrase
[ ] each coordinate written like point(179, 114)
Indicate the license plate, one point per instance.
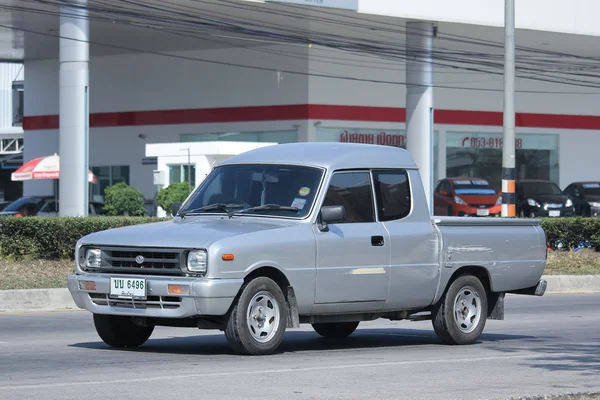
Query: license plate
point(554, 213)
point(128, 288)
point(483, 213)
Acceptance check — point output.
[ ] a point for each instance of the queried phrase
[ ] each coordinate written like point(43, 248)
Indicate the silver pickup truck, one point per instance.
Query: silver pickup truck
point(326, 234)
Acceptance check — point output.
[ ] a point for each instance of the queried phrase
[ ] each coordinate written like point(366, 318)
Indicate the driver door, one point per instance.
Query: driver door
point(353, 257)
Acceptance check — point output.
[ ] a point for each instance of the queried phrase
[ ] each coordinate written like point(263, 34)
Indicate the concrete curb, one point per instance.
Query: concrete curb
point(44, 300)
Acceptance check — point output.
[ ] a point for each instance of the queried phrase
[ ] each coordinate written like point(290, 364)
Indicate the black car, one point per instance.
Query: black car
point(585, 197)
point(540, 198)
point(25, 206)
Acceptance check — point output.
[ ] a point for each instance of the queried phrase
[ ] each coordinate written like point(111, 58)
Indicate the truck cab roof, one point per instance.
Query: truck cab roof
point(329, 155)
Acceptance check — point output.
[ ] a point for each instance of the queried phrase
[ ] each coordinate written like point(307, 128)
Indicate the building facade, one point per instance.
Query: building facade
point(262, 89)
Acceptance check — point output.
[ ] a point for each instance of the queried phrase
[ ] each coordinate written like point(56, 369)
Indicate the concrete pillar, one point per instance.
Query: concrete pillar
point(419, 101)
point(73, 109)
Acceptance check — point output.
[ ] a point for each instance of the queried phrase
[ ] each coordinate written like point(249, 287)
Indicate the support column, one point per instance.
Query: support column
point(73, 109)
point(419, 101)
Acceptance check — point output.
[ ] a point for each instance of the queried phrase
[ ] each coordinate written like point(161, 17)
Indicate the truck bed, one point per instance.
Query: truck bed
point(513, 251)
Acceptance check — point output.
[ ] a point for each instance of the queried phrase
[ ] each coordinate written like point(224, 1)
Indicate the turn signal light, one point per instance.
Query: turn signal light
point(87, 285)
point(178, 289)
point(228, 257)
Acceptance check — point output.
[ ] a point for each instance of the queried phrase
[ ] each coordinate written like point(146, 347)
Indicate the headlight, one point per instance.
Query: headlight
point(458, 200)
point(499, 201)
point(569, 203)
point(533, 203)
point(196, 261)
point(93, 258)
point(594, 204)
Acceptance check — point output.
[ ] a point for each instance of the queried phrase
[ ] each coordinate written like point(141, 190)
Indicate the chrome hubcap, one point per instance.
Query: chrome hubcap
point(467, 309)
point(263, 317)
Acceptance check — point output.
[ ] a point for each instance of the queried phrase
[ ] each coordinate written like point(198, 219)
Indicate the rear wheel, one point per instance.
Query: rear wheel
point(335, 330)
point(257, 322)
point(120, 331)
point(460, 315)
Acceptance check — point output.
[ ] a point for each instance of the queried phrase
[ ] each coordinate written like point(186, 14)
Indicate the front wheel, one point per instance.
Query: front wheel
point(257, 322)
point(120, 331)
point(460, 315)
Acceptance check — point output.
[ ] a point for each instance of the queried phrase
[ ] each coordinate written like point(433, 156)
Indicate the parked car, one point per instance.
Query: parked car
point(585, 197)
point(42, 206)
point(49, 209)
point(329, 234)
point(540, 198)
point(466, 197)
point(25, 206)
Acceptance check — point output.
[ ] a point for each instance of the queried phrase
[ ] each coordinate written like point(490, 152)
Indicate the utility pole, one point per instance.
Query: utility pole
point(508, 148)
point(189, 168)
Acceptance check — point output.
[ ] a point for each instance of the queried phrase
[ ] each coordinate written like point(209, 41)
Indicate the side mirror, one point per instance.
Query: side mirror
point(175, 208)
point(331, 215)
point(444, 193)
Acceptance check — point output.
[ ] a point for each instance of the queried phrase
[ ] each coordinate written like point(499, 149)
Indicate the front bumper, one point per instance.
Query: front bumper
point(206, 297)
point(562, 212)
point(469, 211)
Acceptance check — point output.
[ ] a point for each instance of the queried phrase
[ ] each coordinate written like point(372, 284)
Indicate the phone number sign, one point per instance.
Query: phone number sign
point(344, 4)
point(478, 140)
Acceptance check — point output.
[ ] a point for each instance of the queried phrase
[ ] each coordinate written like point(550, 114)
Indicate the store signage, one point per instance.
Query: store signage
point(496, 141)
point(344, 4)
point(382, 138)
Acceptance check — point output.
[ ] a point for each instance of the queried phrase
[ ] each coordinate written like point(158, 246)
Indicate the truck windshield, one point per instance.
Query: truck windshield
point(237, 188)
point(476, 187)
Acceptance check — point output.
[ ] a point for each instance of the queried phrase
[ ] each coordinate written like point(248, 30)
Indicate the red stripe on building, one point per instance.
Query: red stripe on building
point(313, 111)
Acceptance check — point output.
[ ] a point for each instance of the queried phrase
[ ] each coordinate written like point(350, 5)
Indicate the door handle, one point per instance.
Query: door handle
point(377, 240)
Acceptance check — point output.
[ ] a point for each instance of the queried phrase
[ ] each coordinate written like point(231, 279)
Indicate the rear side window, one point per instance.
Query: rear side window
point(353, 191)
point(392, 189)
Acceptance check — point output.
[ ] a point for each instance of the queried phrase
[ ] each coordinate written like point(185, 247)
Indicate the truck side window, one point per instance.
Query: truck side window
point(393, 194)
point(353, 191)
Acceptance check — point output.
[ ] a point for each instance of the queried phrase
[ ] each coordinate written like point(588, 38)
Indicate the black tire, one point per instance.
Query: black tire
point(242, 337)
point(446, 326)
point(335, 330)
point(450, 211)
point(119, 331)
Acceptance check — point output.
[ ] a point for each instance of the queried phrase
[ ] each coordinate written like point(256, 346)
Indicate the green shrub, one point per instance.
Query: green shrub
point(175, 192)
point(54, 237)
point(122, 199)
point(571, 231)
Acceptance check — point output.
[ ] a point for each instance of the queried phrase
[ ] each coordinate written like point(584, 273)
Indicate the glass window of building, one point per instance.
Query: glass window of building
point(479, 155)
point(290, 136)
point(107, 176)
point(179, 173)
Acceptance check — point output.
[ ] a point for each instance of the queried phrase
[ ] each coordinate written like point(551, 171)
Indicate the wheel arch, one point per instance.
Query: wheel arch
point(284, 284)
point(495, 300)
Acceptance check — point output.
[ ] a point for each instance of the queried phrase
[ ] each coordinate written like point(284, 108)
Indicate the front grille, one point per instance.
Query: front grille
point(128, 260)
point(154, 302)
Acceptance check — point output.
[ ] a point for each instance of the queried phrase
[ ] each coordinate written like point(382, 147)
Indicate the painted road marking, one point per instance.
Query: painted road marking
point(262, 372)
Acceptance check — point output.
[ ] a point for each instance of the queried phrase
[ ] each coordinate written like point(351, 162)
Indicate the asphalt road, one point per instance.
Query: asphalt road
point(547, 345)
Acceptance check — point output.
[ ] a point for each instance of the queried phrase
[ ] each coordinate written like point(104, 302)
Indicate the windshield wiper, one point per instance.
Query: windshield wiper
point(271, 207)
point(213, 207)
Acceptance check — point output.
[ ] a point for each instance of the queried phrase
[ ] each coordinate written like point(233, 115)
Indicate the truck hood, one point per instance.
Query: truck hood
point(191, 232)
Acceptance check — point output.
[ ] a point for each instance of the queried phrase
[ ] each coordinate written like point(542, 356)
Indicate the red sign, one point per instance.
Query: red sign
point(381, 138)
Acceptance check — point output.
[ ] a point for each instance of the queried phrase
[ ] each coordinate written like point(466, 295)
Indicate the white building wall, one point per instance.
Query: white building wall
point(149, 82)
point(573, 16)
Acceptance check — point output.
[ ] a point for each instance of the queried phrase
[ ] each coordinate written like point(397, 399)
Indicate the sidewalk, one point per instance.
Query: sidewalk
point(44, 300)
